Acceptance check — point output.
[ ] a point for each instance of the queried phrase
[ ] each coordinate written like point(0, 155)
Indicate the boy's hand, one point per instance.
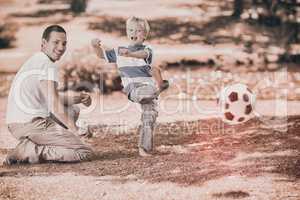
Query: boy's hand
point(85, 99)
point(96, 43)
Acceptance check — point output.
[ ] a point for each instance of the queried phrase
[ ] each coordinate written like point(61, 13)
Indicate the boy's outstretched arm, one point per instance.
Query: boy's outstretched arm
point(97, 46)
point(142, 54)
point(162, 84)
point(103, 52)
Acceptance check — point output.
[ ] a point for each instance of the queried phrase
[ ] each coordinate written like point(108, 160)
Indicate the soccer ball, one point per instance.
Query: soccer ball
point(237, 103)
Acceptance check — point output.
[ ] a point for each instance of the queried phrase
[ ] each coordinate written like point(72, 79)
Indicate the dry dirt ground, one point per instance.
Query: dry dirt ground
point(193, 159)
point(196, 155)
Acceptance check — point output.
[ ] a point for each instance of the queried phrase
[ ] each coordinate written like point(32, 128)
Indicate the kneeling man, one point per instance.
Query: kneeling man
point(36, 116)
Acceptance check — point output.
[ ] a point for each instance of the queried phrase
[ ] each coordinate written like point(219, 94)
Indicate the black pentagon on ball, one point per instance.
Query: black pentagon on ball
point(229, 116)
point(248, 109)
point(246, 97)
point(233, 96)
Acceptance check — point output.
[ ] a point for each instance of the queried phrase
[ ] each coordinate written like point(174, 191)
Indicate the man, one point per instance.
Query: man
point(36, 116)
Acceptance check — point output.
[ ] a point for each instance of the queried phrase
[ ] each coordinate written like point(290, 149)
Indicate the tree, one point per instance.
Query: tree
point(238, 8)
point(78, 6)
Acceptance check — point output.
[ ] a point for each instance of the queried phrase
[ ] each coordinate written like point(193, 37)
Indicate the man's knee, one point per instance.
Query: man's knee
point(86, 155)
point(78, 155)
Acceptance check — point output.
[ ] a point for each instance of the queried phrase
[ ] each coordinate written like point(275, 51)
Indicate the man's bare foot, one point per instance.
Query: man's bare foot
point(9, 160)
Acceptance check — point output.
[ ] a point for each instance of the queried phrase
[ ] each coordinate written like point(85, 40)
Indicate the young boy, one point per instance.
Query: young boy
point(136, 73)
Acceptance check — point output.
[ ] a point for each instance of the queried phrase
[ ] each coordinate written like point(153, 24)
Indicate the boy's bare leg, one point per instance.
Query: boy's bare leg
point(156, 73)
point(162, 84)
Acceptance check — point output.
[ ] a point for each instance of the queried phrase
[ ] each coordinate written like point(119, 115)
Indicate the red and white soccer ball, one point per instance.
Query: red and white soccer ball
point(237, 103)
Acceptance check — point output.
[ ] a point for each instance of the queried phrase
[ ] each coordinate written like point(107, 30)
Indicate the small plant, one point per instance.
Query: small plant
point(7, 34)
point(78, 6)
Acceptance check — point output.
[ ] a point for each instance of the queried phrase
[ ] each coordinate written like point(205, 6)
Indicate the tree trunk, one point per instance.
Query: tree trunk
point(238, 8)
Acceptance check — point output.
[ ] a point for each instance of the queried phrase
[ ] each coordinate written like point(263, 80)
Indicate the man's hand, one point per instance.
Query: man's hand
point(96, 43)
point(73, 100)
point(85, 99)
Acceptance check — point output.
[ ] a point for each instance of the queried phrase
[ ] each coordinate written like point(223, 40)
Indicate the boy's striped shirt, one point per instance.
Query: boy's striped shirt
point(132, 70)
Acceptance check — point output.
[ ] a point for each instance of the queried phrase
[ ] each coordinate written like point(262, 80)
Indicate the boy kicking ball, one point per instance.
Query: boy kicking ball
point(137, 75)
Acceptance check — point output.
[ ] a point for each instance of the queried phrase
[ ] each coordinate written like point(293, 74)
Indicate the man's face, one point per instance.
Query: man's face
point(136, 33)
point(55, 47)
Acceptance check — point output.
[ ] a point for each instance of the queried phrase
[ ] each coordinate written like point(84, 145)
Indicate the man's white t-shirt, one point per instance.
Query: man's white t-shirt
point(26, 100)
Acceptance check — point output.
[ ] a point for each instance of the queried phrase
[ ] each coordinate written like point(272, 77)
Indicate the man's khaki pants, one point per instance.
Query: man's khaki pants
point(43, 139)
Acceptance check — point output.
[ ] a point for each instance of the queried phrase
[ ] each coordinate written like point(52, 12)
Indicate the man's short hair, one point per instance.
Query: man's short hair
point(52, 28)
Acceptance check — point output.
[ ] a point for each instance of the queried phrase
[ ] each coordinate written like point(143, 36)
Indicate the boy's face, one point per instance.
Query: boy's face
point(136, 33)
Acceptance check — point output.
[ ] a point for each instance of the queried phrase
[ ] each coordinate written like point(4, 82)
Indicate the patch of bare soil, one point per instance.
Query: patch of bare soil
point(189, 154)
point(7, 192)
point(232, 194)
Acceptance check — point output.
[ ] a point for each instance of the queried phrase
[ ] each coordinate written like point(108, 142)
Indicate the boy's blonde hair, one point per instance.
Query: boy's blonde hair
point(136, 20)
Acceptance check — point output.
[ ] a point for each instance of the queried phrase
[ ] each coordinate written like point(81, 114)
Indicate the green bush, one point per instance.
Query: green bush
point(7, 34)
point(78, 6)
